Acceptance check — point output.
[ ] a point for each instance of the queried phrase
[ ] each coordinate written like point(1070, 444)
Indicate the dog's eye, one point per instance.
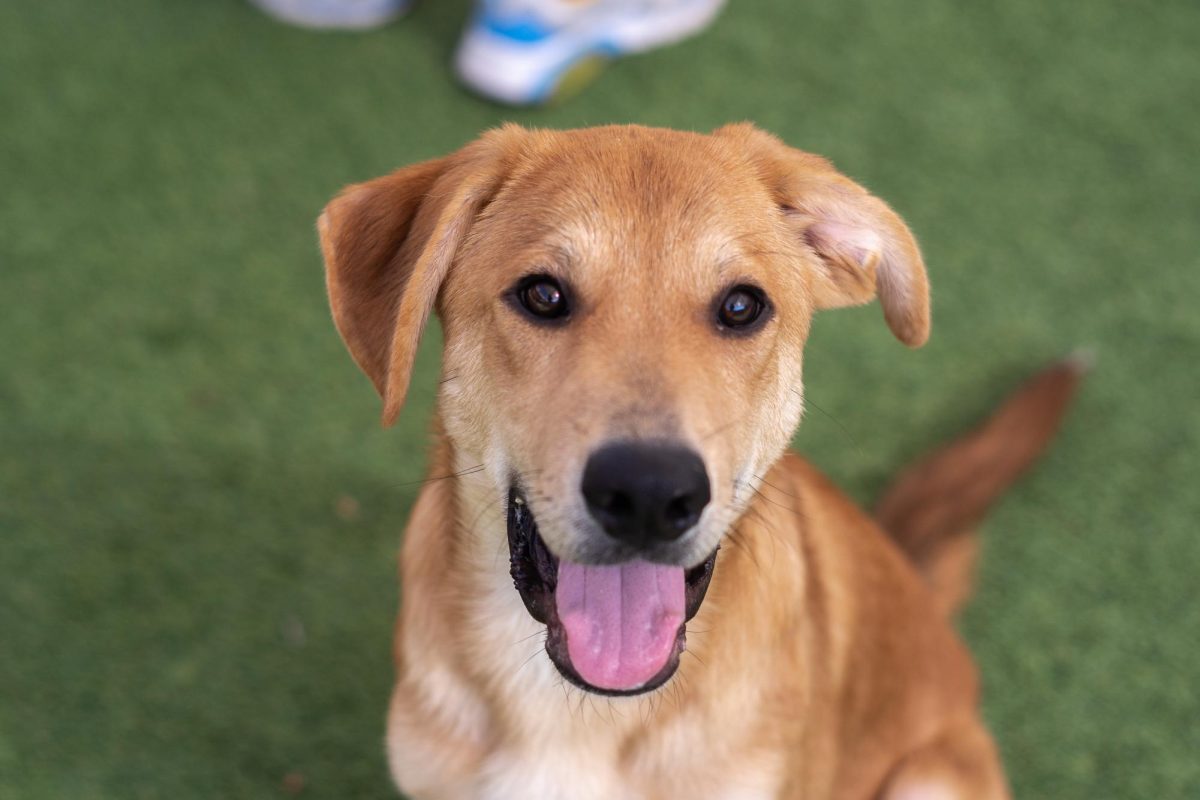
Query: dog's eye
point(742, 306)
point(542, 296)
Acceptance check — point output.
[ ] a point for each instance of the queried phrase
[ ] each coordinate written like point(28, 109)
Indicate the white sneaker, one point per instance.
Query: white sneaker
point(334, 14)
point(527, 52)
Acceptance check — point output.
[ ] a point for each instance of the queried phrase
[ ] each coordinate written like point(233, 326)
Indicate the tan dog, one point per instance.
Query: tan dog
point(625, 311)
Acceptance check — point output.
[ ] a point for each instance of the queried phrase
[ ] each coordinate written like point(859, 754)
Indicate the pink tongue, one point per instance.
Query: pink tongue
point(621, 621)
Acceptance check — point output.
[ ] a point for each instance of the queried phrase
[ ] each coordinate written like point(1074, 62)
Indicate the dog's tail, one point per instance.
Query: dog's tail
point(931, 509)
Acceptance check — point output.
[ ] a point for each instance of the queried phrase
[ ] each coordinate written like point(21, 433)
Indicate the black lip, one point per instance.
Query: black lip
point(534, 572)
point(533, 567)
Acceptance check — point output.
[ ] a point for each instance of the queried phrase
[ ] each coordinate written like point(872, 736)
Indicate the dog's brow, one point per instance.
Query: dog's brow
point(563, 255)
point(553, 258)
point(730, 257)
point(728, 263)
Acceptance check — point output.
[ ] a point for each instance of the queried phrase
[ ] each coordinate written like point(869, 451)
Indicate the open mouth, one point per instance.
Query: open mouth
point(614, 629)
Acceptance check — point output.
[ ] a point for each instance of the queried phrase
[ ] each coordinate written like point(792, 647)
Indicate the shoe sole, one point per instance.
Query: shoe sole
point(303, 16)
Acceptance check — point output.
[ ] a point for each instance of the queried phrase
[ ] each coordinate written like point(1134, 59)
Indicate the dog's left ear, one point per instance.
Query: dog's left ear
point(388, 245)
point(861, 247)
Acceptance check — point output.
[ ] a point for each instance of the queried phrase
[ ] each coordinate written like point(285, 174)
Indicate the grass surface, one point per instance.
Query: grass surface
point(198, 511)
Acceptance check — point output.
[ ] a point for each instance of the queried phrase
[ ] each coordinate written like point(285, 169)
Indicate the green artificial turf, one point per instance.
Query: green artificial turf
point(199, 512)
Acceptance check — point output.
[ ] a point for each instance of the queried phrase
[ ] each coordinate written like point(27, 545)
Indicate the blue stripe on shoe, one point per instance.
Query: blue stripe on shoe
point(525, 28)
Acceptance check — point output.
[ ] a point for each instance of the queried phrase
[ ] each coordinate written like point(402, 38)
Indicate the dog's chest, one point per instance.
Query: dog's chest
point(555, 774)
point(560, 774)
point(578, 759)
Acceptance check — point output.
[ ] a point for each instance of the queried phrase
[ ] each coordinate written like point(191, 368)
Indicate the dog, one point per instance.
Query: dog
point(615, 583)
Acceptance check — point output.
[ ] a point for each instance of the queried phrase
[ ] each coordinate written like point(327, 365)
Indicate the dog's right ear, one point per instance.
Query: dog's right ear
point(861, 246)
point(388, 245)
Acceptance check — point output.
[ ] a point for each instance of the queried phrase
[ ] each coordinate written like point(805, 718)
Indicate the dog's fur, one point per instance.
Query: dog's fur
point(822, 663)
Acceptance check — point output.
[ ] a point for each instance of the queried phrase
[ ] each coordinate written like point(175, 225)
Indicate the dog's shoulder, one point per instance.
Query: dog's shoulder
point(898, 669)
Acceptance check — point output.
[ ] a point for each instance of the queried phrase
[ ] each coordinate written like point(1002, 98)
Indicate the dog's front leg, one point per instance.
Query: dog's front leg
point(435, 741)
point(961, 764)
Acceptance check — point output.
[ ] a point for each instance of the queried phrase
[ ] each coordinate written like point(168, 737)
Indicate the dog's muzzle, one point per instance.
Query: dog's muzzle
point(615, 629)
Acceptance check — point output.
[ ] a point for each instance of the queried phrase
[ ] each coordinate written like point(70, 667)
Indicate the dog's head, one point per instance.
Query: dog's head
point(624, 311)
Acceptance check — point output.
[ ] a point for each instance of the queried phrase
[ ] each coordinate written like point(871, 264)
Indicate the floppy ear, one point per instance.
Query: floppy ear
point(388, 245)
point(861, 247)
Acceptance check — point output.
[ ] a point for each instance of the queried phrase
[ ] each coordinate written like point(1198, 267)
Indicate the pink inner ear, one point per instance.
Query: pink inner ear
point(857, 243)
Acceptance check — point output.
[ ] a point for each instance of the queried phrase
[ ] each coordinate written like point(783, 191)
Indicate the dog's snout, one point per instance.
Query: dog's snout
point(643, 493)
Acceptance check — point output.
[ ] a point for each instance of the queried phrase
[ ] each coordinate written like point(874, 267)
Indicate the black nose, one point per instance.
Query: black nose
point(642, 493)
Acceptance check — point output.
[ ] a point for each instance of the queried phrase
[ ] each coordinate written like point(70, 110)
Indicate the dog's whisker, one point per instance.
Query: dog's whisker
point(808, 401)
point(719, 430)
point(527, 661)
point(459, 474)
point(774, 502)
point(765, 482)
point(524, 639)
point(677, 691)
